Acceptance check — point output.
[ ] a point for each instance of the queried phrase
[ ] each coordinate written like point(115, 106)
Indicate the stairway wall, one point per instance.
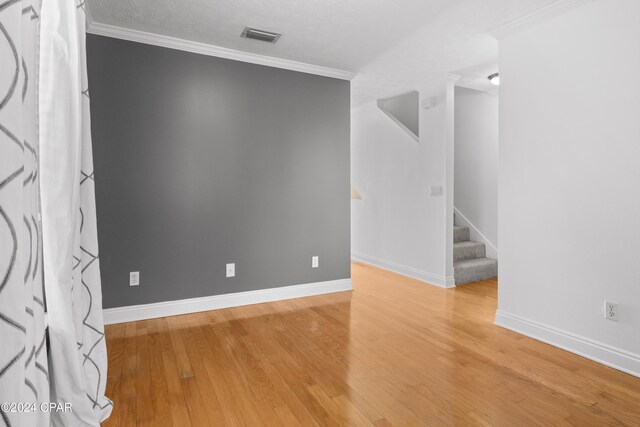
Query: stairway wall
point(397, 224)
point(476, 163)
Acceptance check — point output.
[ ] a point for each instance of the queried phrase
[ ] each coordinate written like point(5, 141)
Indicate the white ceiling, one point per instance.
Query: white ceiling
point(342, 34)
point(394, 45)
point(455, 41)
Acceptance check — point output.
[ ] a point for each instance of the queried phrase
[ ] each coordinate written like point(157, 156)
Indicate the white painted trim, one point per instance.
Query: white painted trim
point(453, 77)
point(476, 234)
point(541, 15)
point(212, 50)
point(449, 282)
point(602, 353)
point(414, 273)
point(88, 17)
point(132, 313)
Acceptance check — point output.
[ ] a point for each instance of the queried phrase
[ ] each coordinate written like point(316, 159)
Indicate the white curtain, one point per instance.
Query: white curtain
point(23, 353)
point(77, 356)
point(48, 221)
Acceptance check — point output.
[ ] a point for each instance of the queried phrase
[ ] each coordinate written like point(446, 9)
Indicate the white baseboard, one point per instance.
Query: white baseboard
point(193, 305)
point(423, 276)
point(476, 234)
point(602, 353)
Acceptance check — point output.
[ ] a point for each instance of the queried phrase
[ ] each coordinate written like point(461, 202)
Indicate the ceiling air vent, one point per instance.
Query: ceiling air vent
point(262, 35)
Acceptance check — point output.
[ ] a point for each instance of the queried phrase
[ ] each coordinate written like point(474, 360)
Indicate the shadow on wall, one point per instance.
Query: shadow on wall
point(404, 111)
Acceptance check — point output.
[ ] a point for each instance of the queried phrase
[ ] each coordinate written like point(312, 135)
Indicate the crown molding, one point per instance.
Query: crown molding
point(558, 8)
point(452, 77)
point(212, 50)
point(88, 18)
point(493, 92)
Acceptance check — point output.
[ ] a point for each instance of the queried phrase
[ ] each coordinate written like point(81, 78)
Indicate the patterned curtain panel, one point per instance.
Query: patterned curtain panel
point(23, 353)
point(77, 352)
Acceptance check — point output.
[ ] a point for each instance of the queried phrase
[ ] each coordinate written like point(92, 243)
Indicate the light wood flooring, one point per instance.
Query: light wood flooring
point(392, 352)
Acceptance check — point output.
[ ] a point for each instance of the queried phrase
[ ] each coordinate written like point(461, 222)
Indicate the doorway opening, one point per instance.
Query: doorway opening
point(475, 164)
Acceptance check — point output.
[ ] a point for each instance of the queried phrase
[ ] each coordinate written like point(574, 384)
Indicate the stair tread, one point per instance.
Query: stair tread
point(467, 243)
point(475, 262)
point(460, 234)
point(472, 270)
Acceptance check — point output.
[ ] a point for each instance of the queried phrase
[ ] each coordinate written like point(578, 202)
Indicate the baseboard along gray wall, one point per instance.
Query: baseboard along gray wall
point(203, 161)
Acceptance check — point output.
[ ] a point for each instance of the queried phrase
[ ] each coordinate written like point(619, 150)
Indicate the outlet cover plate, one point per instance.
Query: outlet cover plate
point(134, 278)
point(231, 270)
point(315, 261)
point(611, 310)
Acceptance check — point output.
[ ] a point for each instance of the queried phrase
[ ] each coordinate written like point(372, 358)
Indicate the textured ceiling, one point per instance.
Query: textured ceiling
point(342, 34)
point(394, 45)
point(455, 41)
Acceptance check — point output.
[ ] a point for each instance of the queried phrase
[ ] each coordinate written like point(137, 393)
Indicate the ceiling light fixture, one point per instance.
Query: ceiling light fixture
point(494, 79)
point(262, 35)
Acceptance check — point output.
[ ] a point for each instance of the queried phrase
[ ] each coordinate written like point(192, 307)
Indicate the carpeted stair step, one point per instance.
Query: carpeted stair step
point(460, 234)
point(472, 270)
point(468, 250)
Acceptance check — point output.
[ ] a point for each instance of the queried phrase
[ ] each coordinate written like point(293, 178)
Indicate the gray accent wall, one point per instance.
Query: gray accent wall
point(203, 161)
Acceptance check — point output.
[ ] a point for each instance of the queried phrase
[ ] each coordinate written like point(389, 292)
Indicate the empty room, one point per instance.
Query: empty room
point(319, 213)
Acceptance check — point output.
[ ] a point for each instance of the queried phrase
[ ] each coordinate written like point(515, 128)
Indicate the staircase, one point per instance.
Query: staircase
point(470, 262)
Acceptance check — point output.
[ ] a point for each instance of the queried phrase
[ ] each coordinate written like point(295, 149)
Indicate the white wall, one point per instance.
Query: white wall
point(569, 213)
point(476, 163)
point(397, 224)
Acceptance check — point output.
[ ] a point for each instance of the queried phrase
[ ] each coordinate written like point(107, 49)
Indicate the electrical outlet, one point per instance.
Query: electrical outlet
point(134, 278)
point(611, 310)
point(231, 270)
point(315, 262)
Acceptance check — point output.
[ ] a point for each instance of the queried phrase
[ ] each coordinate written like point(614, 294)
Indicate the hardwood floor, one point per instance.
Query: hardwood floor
point(392, 352)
